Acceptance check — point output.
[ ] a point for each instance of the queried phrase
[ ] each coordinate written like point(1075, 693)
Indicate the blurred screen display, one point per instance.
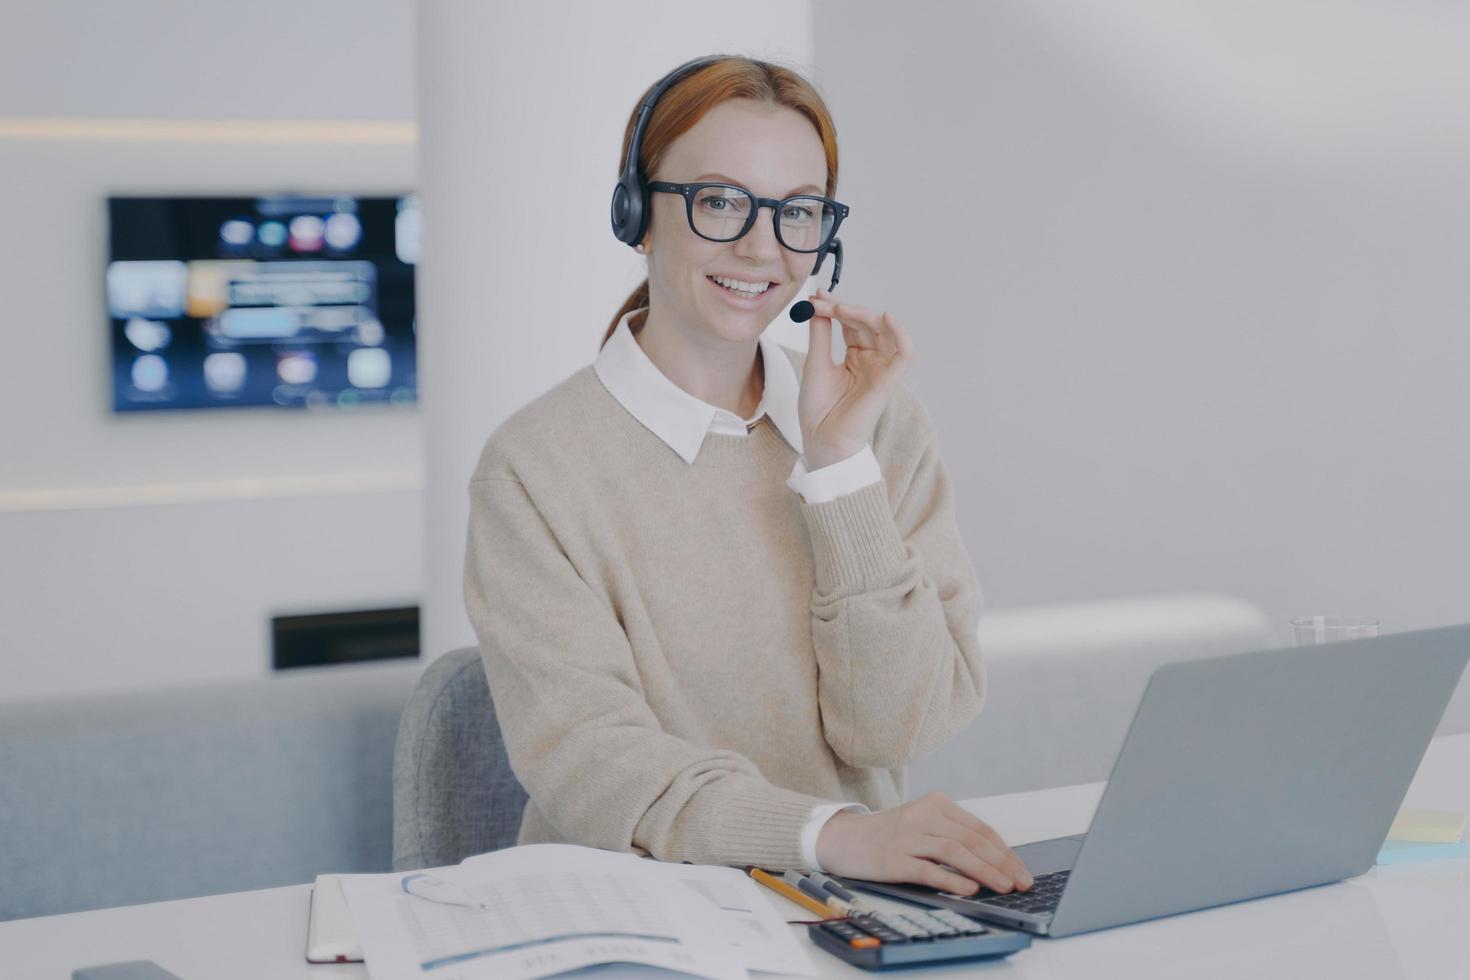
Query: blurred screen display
point(289, 301)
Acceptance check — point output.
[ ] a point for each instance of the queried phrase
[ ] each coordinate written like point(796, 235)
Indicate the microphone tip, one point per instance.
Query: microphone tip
point(803, 311)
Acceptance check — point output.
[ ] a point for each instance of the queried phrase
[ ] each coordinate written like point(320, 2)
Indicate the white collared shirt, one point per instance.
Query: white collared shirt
point(682, 420)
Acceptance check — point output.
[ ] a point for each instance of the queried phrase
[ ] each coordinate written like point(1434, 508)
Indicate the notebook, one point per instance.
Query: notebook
point(1430, 826)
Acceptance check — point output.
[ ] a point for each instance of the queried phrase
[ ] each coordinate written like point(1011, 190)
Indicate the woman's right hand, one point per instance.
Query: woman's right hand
point(926, 842)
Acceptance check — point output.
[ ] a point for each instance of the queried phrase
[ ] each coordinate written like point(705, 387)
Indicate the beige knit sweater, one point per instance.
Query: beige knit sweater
point(686, 658)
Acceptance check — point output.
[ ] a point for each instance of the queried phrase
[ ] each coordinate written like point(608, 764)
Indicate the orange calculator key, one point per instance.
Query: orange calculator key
point(864, 942)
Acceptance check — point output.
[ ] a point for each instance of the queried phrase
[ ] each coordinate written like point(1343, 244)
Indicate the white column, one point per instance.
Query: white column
point(521, 109)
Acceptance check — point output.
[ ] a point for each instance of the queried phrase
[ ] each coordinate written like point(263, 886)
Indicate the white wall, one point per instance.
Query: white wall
point(1201, 326)
point(518, 284)
point(148, 550)
point(207, 59)
point(1187, 284)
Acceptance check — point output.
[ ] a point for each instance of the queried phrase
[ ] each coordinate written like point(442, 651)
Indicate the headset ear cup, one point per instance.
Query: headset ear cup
point(637, 215)
point(619, 210)
point(621, 206)
point(629, 210)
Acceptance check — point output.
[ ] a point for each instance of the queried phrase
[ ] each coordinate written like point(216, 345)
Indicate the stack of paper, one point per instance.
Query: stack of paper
point(548, 908)
point(1424, 835)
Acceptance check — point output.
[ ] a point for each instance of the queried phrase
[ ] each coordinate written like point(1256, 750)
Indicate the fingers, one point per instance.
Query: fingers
point(860, 322)
point(973, 856)
point(930, 841)
point(819, 339)
point(903, 345)
point(993, 854)
point(1004, 857)
point(854, 333)
point(862, 327)
point(867, 337)
point(922, 872)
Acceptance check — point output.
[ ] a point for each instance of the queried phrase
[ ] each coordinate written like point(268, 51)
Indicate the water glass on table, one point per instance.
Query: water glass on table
point(1311, 630)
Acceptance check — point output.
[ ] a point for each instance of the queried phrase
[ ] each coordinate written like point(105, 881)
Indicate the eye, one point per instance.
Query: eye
point(717, 201)
point(797, 212)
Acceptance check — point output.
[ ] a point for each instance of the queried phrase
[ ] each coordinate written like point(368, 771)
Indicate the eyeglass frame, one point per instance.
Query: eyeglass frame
point(688, 190)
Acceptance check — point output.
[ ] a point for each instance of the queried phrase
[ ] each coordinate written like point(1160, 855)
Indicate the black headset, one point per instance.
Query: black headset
point(630, 204)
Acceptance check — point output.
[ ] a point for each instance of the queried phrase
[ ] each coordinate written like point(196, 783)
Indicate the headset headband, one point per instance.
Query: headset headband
point(630, 195)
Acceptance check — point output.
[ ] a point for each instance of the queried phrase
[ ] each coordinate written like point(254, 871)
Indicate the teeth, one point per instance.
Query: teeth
point(750, 288)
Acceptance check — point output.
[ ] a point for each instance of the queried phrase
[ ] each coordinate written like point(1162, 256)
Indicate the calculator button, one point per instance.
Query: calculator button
point(960, 922)
point(904, 924)
point(880, 926)
point(940, 928)
point(864, 942)
point(915, 925)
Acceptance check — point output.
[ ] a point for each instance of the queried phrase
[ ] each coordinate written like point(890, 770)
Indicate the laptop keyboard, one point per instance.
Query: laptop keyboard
point(1041, 899)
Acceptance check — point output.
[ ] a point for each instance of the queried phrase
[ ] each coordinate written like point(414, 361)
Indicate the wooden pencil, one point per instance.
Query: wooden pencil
point(786, 891)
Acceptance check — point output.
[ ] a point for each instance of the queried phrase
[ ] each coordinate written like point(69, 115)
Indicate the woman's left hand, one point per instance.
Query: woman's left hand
point(839, 404)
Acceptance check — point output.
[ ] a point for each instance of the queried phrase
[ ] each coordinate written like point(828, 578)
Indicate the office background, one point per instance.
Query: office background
point(1187, 286)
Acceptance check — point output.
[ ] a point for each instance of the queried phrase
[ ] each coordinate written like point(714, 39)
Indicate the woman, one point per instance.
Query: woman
point(718, 586)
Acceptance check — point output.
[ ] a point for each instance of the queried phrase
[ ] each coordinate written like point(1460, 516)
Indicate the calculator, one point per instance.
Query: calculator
point(885, 939)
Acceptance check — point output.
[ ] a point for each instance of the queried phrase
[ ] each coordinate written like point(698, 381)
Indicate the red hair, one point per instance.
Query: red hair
point(686, 102)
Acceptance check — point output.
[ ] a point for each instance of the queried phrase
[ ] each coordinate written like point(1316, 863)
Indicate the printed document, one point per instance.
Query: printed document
point(542, 909)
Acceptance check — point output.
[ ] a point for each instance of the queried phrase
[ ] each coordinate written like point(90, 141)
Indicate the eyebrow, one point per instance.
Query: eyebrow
point(804, 188)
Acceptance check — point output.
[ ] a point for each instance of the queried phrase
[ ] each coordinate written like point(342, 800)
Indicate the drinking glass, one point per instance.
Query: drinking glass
point(1310, 630)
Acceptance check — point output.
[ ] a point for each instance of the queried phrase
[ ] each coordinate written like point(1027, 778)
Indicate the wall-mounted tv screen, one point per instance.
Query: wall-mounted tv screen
point(290, 301)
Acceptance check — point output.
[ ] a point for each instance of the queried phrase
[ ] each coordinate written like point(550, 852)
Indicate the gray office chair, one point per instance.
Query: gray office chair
point(453, 790)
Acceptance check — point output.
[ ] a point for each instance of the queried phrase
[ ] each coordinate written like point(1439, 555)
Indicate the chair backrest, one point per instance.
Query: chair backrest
point(453, 790)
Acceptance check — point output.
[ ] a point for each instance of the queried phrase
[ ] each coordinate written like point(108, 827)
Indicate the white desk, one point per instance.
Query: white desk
point(1399, 921)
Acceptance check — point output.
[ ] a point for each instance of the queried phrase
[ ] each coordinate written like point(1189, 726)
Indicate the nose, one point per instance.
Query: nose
point(760, 243)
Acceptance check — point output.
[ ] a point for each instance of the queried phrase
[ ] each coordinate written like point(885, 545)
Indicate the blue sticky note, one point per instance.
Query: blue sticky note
point(1404, 852)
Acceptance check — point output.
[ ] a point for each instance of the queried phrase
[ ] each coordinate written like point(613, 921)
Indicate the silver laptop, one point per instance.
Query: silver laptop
point(1242, 776)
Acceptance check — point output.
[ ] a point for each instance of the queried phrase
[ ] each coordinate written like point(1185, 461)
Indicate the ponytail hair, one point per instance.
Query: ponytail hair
point(686, 102)
point(637, 300)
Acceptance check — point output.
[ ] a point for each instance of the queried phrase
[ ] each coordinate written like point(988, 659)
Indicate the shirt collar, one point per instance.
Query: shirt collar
point(676, 416)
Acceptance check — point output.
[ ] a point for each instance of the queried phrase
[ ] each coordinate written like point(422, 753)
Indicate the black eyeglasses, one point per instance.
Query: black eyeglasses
point(725, 212)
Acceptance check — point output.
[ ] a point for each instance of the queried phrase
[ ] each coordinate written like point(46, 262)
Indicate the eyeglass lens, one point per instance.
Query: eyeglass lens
point(720, 213)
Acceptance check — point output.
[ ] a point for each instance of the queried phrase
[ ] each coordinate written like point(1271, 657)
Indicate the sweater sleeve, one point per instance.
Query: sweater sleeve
point(579, 733)
point(895, 610)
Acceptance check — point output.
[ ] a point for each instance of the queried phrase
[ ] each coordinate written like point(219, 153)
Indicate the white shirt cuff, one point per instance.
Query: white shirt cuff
point(820, 815)
point(836, 480)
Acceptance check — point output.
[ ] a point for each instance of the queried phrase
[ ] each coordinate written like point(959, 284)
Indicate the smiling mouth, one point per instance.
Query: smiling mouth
point(741, 293)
